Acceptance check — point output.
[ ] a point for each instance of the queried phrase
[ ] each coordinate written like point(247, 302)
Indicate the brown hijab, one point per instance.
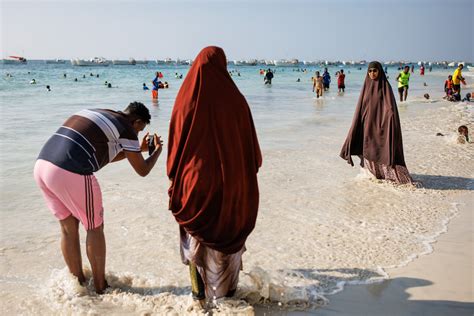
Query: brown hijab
point(375, 133)
point(213, 156)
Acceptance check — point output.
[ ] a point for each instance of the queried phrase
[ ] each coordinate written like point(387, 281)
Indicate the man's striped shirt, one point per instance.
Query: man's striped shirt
point(89, 140)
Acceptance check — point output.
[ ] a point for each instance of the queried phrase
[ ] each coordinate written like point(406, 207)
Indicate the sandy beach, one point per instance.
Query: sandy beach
point(440, 283)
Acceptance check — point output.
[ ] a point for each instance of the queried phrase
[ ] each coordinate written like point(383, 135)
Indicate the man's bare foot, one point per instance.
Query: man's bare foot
point(101, 291)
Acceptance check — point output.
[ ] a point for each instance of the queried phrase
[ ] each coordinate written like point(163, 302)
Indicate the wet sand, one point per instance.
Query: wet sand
point(440, 283)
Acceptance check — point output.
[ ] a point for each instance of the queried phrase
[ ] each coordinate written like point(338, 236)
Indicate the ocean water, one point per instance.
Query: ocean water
point(321, 223)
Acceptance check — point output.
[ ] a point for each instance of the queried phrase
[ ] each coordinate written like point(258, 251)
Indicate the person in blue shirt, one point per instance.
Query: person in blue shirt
point(156, 85)
point(145, 87)
point(326, 79)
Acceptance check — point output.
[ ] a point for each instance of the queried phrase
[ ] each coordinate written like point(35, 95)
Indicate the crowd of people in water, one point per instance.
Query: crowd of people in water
point(214, 216)
point(320, 83)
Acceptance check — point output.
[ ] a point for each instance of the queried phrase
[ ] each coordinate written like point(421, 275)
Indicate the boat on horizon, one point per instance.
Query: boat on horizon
point(141, 62)
point(14, 60)
point(286, 63)
point(93, 62)
point(56, 61)
point(129, 62)
point(247, 62)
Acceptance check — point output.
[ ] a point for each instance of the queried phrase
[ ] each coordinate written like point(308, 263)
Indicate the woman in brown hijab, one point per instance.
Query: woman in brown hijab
point(375, 135)
point(213, 160)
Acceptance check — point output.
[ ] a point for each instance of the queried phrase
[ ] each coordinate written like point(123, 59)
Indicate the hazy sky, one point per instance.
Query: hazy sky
point(307, 30)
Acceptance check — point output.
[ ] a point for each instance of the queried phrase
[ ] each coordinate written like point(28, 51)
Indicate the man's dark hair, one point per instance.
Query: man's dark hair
point(139, 111)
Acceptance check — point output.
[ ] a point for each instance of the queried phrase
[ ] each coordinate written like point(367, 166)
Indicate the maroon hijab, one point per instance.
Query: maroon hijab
point(375, 133)
point(213, 156)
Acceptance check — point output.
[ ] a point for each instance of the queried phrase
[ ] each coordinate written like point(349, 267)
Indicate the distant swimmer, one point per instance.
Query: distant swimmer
point(75, 79)
point(267, 79)
point(318, 85)
point(156, 85)
point(83, 76)
point(422, 70)
point(145, 87)
point(48, 88)
point(403, 78)
point(109, 85)
point(97, 75)
point(33, 81)
point(341, 86)
point(458, 79)
point(64, 75)
point(298, 80)
point(326, 79)
point(426, 96)
point(448, 86)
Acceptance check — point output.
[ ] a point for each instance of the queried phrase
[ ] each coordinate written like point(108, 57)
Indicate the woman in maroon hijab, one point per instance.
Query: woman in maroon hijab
point(375, 135)
point(213, 160)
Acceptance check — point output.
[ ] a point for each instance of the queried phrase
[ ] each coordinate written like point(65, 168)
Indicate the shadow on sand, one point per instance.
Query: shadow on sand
point(389, 297)
point(434, 182)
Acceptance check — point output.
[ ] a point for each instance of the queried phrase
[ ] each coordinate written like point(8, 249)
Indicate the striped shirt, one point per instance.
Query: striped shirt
point(89, 140)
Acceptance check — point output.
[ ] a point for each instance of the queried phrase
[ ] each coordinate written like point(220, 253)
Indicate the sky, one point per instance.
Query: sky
point(411, 30)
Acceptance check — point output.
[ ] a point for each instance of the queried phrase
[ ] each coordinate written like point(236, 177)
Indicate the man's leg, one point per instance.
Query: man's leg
point(405, 93)
point(71, 248)
point(400, 93)
point(96, 253)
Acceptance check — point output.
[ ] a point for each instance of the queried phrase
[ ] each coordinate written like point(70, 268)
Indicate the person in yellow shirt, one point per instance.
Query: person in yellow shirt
point(457, 79)
point(403, 78)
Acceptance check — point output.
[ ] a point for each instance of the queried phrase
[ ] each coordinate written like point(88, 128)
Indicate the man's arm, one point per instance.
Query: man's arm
point(144, 166)
point(120, 156)
point(140, 165)
point(143, 147)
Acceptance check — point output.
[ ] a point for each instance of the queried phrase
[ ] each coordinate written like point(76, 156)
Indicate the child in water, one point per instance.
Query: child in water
point(318, 85)
point(463, 136)
point(448, 86)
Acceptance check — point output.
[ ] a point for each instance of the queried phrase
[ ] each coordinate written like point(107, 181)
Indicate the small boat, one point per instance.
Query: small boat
point(248, 62)
point(286, 63)
point(56, 61)
point(14, 60)
point(93, 62)
point(470, 68)
point(269, 63)
point(452, 64)
point(180, 62)
point(310, 63)
point(142, 62)
point(128, 62)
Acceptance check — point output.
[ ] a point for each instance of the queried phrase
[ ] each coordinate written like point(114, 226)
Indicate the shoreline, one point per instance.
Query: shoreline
point(437, 282)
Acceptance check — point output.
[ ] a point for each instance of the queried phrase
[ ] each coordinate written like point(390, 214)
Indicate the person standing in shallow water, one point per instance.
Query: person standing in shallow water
point(64, 171)
point(213, 160)
point(376, 135)
point(403, 78)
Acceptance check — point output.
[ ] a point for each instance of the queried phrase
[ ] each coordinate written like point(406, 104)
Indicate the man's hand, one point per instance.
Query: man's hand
point(144, 144)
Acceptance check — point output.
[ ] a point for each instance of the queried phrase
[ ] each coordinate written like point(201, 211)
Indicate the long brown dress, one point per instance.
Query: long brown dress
point(375, 135)
point(213, 160)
